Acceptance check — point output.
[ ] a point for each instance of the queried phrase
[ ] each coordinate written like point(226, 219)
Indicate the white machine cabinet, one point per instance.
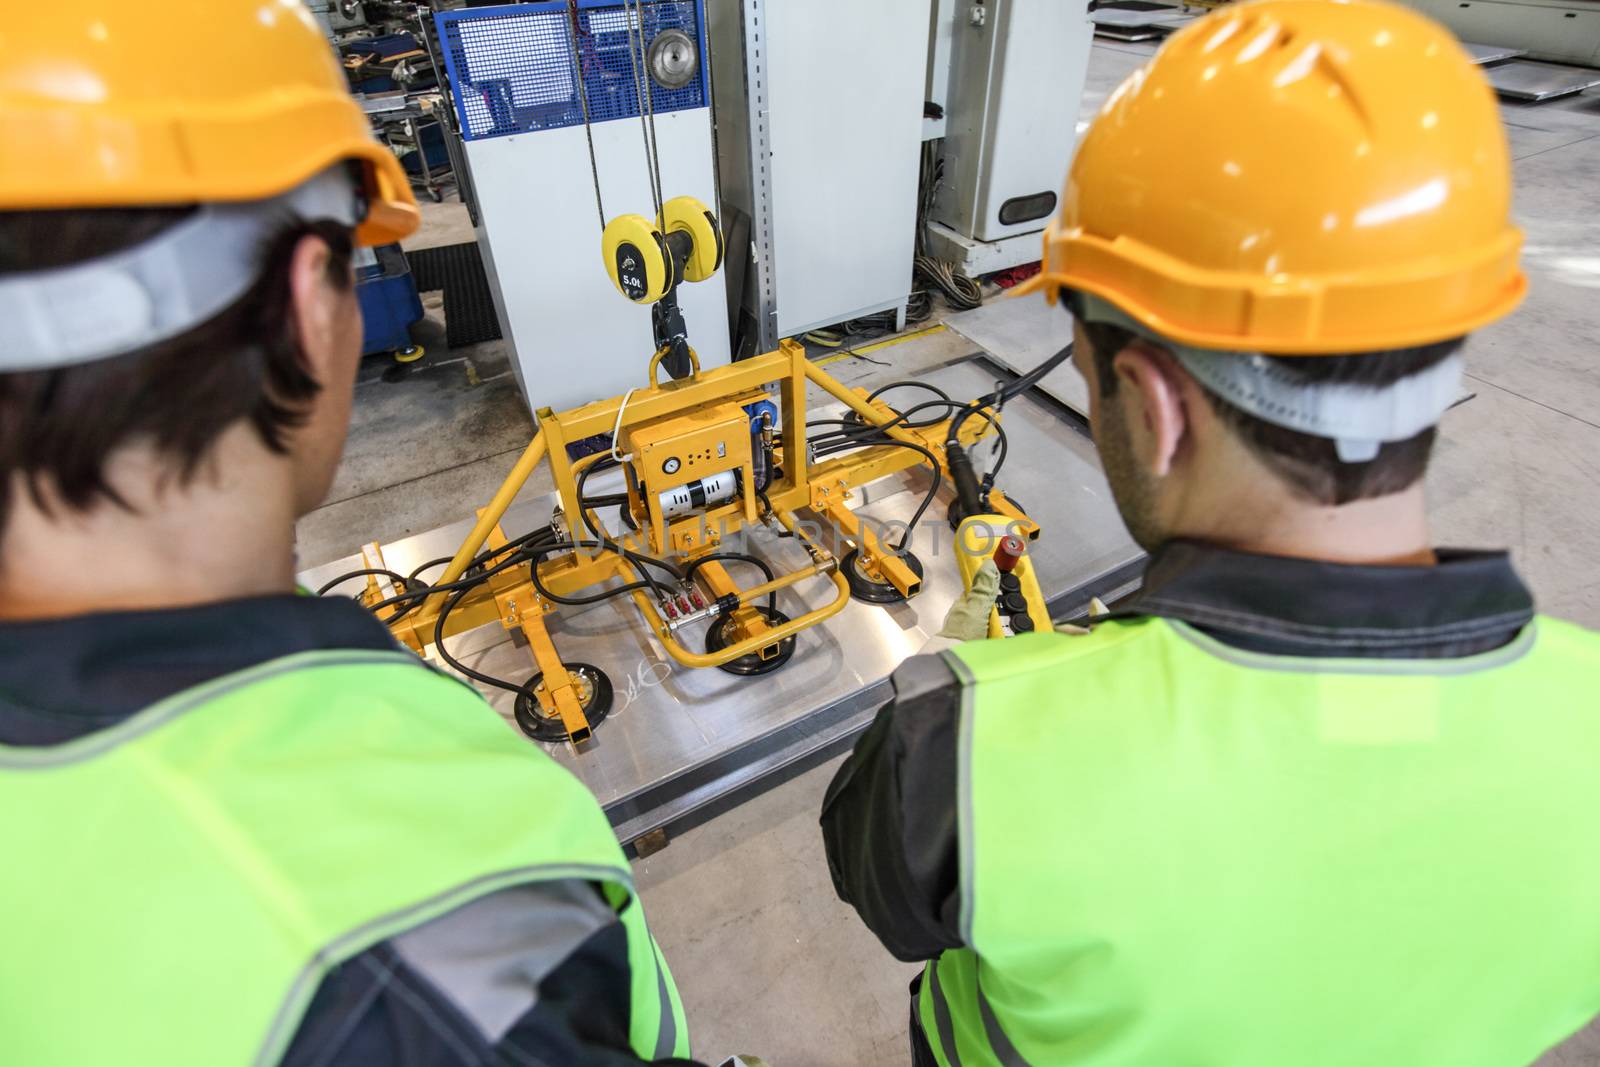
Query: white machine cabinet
point(820, 115)
point(1016, 74)
point(574, 337)
point(1565, 31)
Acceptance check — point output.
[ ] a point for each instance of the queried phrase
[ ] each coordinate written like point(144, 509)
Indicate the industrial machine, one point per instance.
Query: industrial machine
point(1004, 142)
point(1565, 31)
point(551, 99)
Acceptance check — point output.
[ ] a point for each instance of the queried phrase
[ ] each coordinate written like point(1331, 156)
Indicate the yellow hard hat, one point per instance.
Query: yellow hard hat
point(186, 101)
point(1295, 177)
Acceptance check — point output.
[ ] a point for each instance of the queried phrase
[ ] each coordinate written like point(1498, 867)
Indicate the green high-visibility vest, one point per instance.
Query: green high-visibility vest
point(176, 886)
point(1174, 853)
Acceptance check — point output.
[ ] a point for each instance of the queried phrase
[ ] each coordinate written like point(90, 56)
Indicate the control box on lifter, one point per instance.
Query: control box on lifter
point(1019, 606)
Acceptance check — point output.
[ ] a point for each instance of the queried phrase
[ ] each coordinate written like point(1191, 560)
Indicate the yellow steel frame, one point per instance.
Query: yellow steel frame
point(822, 488)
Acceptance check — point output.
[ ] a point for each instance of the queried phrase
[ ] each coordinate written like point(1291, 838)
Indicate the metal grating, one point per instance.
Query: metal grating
point(511, 67)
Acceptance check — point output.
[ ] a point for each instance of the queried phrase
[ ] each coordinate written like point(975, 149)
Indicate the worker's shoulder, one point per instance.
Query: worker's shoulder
point(381, 706)
point(389, 679)
point(1035, 652)
point(1560, 637)
point(389, 675)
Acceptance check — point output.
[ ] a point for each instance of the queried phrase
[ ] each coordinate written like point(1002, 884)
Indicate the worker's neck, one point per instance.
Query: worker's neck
point(228, 533)
point(1383, 531)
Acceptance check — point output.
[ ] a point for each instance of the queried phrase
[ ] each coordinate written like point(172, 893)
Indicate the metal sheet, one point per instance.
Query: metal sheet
point(1523, 80)
point(1132, 33)
point(1484, 54)
point(681, 741)
point(1021, 334)
point(1125, 19)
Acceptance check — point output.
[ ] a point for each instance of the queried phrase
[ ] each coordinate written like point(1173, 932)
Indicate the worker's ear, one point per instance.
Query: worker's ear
point(1149, 385)
point(326, 321)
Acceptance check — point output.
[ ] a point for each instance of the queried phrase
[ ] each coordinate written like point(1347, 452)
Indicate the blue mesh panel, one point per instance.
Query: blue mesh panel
point(511, 68)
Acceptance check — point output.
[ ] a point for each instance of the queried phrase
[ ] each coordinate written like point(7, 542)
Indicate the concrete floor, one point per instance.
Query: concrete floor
point(767, 960)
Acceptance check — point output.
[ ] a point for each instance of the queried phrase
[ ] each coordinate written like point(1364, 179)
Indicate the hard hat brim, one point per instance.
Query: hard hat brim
point(1399, 306)
point(205, 157)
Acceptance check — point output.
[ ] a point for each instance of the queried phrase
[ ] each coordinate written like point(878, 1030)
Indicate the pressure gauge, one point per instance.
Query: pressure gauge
point(671, 465)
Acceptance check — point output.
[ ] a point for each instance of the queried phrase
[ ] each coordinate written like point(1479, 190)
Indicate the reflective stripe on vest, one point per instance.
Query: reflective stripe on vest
point(179, 884)
point(1176, 852)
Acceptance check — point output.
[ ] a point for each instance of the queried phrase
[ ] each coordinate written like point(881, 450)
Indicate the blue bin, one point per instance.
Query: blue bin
point(389, 302)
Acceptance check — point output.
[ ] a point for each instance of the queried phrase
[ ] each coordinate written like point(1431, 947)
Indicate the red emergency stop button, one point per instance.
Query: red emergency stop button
point(1009, 552)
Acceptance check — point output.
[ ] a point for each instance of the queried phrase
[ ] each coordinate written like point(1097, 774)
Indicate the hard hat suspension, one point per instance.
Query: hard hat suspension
point(1359, 419)
point(161, 288)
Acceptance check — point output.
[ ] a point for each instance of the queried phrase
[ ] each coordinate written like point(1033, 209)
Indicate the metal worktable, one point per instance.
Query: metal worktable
point(680, 744)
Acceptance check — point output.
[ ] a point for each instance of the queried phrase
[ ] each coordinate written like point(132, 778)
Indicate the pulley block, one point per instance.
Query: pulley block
point(646, 262)
point(637, 258)
point(685, 214)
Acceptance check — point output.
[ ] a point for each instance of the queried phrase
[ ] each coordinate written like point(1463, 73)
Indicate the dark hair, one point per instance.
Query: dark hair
point(1311, 465)
point(58, 428)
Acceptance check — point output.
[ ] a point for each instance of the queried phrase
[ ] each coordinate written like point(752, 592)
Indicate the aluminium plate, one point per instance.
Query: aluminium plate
point(1522, 80)
point(1119, 17)
point(1131, 33)
point(1485, 54)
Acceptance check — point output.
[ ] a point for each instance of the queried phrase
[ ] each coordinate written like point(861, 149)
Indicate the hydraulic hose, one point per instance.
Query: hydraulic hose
point(969, 493)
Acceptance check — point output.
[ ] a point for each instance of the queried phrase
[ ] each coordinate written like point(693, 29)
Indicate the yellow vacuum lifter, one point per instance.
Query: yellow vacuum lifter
point(703, 457)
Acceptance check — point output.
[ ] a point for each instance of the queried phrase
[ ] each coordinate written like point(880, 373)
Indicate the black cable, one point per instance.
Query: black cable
point(583, 500)
point(874, 436)
point(534, 554)
point(444, 653)
point(903, 418)
point(460, 584)
point(908, 383)
point(863, 435)
point(478, 563)
point(419, 568)
point(960, 292)
point(594, 598)
point(606, 541)
point(971, 493)
point(1008, 391)
point(362, 573)
point(607, 500)
point(411, 578)
point(766, 511)
point(595, 715)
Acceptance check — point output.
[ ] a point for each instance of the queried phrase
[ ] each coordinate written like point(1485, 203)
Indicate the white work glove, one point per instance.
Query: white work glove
point(968, 617)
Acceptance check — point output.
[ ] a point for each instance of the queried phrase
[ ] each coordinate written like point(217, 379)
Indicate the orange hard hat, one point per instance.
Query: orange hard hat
point(186, 101)
point(1295, 177)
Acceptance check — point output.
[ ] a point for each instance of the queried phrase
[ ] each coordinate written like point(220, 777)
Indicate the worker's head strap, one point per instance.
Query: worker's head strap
point(1357, 418)
point(161, 288)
